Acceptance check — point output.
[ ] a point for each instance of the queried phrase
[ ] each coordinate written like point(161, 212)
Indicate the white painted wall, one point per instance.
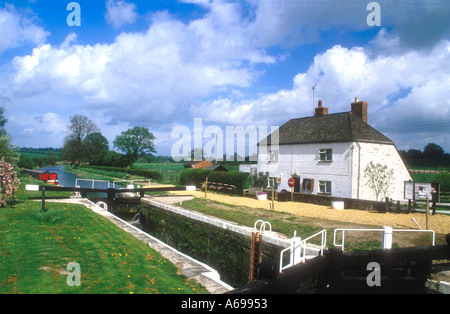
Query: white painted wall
point(385, 155)
point(349, 159)
point(304, 161)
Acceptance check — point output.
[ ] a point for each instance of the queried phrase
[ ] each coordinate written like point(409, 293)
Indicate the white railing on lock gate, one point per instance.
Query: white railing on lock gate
point(299, 247)
point(386, 240)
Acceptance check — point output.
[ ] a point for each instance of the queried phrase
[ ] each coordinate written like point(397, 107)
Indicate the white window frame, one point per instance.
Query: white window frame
point(272, 182)
point(325, 187)
point(327, 153)
point(273, 156)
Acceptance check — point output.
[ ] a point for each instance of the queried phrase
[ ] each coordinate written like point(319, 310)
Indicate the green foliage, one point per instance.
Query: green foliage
point(79, 139)
point(149, 174)
point(193, 176)
point(109, 159)
point(443, 177)
point(25, 162)
point(239, 179)
point(119, 172)
point(259, 179)
point(50, 216)
point(433, 155)
point(135, 143)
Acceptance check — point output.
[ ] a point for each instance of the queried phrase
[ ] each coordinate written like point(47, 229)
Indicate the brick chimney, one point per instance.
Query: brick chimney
point(359, 109)
point(321, 111)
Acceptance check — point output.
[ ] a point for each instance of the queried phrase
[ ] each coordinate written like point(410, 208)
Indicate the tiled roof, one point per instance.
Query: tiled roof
point(339, 127)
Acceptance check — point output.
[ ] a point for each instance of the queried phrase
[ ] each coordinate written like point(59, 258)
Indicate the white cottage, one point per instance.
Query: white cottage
point(328, 153)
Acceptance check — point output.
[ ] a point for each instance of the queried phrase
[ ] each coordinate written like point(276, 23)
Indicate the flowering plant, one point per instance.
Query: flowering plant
point(9, 183)
point(261, 193)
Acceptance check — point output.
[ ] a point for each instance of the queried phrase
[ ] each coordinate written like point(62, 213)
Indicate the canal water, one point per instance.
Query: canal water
point(68, 179)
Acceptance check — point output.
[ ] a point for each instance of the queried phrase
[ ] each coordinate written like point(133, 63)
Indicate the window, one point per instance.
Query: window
point(273, 156)
point(325, 155)
point(325, 187)
point(308, 185)
point(273, 182)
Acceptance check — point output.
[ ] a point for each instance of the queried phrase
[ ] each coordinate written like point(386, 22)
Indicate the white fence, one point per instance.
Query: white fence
point(299, 248)
point(386, 239)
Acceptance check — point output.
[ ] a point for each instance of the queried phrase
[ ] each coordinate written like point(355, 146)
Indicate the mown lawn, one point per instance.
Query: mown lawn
point(36, 248)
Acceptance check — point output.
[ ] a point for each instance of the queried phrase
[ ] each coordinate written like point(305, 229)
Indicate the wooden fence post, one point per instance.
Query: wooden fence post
point(43, 199)
point(206, 187)
point(273, 200)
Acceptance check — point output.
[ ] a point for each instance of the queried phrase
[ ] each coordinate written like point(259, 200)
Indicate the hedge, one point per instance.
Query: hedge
point(150, 174)
point(197, 176)
point(193, 176)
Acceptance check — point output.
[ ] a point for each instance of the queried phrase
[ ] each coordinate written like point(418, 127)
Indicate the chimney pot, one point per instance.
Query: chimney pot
point(359, 108)
point(321, 111)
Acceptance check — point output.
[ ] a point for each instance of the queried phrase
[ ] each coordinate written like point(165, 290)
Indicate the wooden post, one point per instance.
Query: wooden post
point(292, 194)
point(206, 187)
point(255, 255)
point(273, 200)
point(43, 199)
point(111, 195)
point(427, 209)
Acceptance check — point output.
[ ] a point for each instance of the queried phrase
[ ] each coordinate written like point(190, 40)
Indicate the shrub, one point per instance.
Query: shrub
point(197, 176)
point(239, 179)
point(150, 174)
point(9, 183)
point(121, 172)
point(193, 176)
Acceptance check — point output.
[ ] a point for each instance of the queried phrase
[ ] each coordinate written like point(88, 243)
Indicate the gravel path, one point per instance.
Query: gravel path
point(438, 223)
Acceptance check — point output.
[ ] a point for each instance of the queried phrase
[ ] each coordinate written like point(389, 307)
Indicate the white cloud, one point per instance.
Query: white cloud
point(140, 74)
point(412, 87)
point(119, 13)
point(18, 29)
point(203, 67)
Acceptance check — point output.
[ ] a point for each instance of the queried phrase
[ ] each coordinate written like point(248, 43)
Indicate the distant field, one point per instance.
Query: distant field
point(178, 166)
point(37, 153)
point(159, 166)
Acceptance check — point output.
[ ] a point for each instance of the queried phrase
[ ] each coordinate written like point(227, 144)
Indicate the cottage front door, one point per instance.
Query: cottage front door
point(297, 183)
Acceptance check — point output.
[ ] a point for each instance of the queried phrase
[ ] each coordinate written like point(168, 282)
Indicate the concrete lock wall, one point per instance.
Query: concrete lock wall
point(220, 244)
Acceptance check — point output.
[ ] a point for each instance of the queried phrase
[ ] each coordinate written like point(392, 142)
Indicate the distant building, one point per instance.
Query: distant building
point(328, 153)
point(197, 164)
point(219, 167)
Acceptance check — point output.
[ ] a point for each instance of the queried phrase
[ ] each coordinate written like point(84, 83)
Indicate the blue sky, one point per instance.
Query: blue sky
point(161, 64)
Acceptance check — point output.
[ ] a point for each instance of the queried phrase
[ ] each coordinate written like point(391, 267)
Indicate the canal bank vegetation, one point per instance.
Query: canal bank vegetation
point(287, 223)
point(36, 249)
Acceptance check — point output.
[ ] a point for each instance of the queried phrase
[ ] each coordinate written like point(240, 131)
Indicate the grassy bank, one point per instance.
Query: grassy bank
point(36, 248)
point(308, 219)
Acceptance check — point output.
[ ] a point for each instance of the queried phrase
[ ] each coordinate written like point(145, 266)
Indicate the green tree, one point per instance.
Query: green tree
point(3, 120)
point(135, 143)
point(378, 178)
point(75, 148)
point(96, 143)
point(7, 148)
point(433, 150)
point(25, 162)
